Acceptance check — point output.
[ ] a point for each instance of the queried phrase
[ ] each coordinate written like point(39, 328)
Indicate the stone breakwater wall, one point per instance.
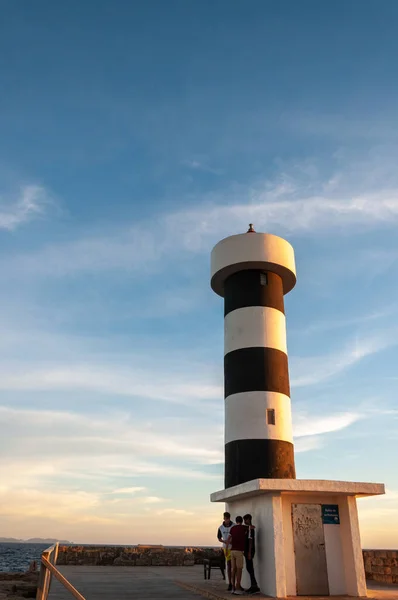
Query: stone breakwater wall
point(131, 556)
point(381, 565)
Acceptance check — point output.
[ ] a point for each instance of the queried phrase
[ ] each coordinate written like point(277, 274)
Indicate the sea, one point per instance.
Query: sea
point(17, 557)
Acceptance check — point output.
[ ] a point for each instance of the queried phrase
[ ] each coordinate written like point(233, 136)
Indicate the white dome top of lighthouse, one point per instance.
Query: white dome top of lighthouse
point(251, 250)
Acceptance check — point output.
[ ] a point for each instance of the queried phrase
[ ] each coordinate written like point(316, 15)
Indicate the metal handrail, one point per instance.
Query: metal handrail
point(48, 570)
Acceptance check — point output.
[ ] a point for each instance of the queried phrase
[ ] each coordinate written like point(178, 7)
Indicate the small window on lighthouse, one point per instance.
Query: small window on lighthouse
point(271, 416)
point(264, 279)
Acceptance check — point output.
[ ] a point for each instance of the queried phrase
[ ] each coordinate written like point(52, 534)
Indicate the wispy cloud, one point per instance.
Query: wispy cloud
point(118, 434)
point(91, 452)
point(108, 379)
point(181, 382)
point(380, 506)
point(307, 444)
point(201, 165)
point(87, 517)
point(310, 431)
point(74, 484)
point(316, 369)
point(174, 511)
point(282, 208)
point(153, 500)
point(285, 206)
point(129, 490)
point(304, 425)
point(29, 203)
point(117, 365)
point(59, 504)
point(317, 326)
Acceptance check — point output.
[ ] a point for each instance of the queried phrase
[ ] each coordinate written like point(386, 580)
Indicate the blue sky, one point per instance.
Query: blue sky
point(133, 136)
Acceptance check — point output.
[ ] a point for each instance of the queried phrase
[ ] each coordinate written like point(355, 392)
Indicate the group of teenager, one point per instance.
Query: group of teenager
point(238, 541)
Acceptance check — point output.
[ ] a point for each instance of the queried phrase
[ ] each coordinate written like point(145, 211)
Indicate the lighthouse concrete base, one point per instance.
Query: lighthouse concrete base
point(307, 534)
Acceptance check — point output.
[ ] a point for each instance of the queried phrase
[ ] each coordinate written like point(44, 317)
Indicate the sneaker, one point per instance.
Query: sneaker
point(239, 592)
point(232, 590)
point(230, 587)
point(254, 590)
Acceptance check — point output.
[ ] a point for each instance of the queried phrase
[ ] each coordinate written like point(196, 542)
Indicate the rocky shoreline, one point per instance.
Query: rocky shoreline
point(18, 585)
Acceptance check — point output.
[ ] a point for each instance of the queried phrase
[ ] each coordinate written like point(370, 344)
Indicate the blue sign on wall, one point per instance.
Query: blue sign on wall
point(330, 514)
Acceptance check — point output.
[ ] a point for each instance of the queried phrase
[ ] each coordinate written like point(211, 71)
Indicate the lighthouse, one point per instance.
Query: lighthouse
point(307, 530)
point(253, 272)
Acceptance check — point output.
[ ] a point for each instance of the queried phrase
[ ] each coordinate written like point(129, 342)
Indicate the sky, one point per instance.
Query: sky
point(133, 137)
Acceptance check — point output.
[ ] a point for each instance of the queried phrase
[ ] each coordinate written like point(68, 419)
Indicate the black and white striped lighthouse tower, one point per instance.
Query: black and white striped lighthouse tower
point(253, 271)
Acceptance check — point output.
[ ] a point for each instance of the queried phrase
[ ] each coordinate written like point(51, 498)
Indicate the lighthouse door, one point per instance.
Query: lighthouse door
point(309, 550)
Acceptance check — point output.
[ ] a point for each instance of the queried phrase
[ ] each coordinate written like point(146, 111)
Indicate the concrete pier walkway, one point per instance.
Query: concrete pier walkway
point(159, 583)
point(121, 583)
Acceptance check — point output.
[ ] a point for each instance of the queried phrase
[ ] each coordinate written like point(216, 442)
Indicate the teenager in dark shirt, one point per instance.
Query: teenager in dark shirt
point(237, 541)
point(250, 549)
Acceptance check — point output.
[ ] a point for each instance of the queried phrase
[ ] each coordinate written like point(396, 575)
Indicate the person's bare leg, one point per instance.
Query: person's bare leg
point(229, 571)
point(238, 579)
point(233, 577)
